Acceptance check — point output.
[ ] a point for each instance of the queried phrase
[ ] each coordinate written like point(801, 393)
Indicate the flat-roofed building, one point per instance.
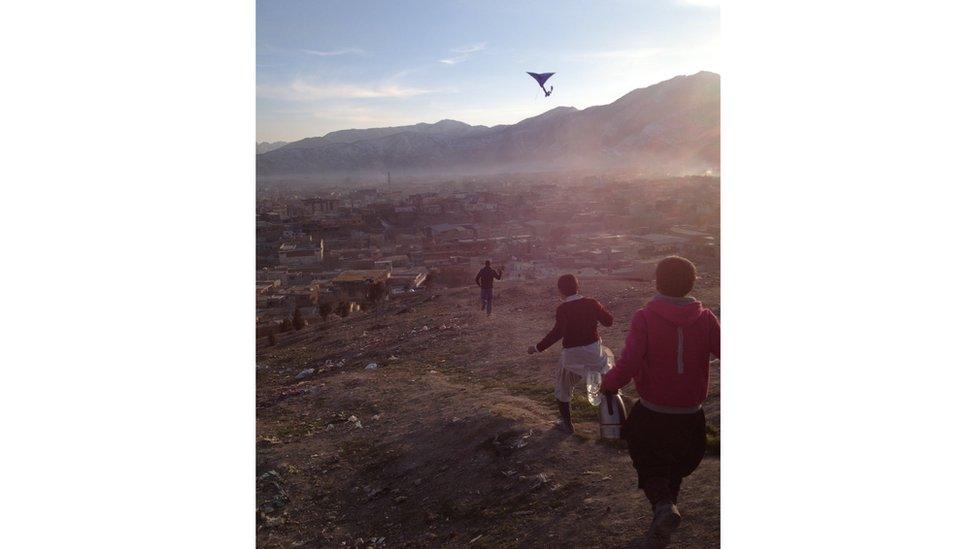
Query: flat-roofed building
point(320, 205)
point(301, 252)
point(356, 284)
point(406, 280)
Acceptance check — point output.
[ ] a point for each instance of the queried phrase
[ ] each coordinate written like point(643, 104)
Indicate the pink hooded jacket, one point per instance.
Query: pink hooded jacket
point(667, 354)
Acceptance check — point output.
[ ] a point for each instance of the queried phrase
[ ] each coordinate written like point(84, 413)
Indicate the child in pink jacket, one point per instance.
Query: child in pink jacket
point(667, 355)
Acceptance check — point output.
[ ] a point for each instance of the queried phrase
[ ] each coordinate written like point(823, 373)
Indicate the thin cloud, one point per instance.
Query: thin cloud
point(465, 52)
point(699, 3)
point(333, 53)
point(472, 48)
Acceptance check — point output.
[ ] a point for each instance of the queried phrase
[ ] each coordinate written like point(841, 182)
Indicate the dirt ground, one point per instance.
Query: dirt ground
point(449, 440)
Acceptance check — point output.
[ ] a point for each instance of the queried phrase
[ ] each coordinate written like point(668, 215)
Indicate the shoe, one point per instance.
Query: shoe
point(666, 520)
point(565, 427)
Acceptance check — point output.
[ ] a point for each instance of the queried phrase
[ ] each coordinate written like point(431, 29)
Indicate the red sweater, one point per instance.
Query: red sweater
point(667, 353)
point(576, 321)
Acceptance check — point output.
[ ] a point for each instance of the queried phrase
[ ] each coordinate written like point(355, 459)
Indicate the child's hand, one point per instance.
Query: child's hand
point(532, 349)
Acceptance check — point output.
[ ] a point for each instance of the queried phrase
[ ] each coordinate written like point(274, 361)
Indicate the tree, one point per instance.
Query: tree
point(297, 321)
point(376, 292)
point(325, 309)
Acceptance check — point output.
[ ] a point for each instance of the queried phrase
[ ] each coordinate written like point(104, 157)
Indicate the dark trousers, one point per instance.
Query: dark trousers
point(486, 299)
point(665, 448)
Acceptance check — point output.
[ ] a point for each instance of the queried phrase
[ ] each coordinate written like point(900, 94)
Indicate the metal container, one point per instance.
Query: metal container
point(612, 416)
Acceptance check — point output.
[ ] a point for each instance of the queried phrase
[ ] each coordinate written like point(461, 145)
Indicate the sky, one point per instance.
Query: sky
point(328, 65)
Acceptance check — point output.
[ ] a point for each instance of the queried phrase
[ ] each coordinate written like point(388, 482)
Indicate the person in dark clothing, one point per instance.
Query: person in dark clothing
point(576, 324)
point(485, 280)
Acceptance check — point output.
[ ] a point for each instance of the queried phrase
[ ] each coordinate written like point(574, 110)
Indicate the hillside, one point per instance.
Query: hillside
point(672, 126)
point(266, 146)
point(448, 441)
point(443, 128)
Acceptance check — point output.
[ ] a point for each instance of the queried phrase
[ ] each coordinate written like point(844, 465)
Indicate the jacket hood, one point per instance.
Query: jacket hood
point(680, 311)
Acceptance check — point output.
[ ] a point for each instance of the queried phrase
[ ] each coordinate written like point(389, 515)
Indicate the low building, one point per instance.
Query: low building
point(398, 261)
point(325, 292)
point(320, 205)
point(355, 285)
point(298, 296)
point(406, 280)
point(448, 232)
point(301, 252)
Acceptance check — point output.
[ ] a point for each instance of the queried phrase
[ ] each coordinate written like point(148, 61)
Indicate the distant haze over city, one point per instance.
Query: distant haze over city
point(670, 127)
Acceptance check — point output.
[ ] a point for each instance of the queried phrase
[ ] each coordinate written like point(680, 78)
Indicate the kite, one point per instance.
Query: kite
point(541, 79)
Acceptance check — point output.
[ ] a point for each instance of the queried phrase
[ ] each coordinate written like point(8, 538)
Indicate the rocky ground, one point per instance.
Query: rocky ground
point(448, 441)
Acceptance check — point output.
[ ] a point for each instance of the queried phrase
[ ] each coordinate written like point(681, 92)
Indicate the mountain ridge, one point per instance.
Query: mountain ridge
point(672, 126)
point(268, 146)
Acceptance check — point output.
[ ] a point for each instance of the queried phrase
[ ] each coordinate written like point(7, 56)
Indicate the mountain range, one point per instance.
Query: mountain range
point(672, 126)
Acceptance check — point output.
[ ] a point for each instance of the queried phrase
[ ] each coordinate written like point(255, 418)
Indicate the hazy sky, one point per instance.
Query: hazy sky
point(331, 65)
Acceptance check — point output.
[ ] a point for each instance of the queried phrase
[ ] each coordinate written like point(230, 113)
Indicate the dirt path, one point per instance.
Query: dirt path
point(450, 442)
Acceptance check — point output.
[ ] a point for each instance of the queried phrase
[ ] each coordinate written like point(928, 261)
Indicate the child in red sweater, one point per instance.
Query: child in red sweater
point(576, 324)
point(667, 356)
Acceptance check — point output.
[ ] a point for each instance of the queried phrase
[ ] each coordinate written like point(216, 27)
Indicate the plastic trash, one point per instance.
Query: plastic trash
point(593, 380)
point(372, 366)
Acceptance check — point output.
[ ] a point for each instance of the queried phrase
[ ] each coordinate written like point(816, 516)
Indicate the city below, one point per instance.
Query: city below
point(324, 250)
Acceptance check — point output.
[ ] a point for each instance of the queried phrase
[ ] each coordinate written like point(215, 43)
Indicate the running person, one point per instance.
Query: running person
point(485, 279)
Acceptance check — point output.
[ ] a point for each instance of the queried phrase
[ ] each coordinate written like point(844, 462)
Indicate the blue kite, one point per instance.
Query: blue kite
point(541, 79)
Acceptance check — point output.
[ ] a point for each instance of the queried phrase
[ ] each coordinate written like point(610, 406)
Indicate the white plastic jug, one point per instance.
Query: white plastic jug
point(612, 416)
point(593, 394)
